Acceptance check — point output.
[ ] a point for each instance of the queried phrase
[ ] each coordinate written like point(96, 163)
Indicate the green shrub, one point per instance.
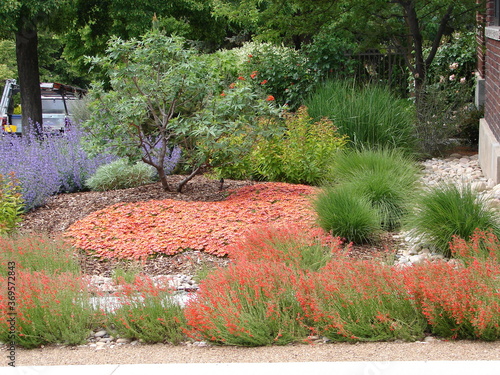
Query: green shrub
point(387, 178)
point(370, 116)
point(449, 210)
point(281, 71)
point(346, 214)
point(120, 174)
point(148, 312)
point(297, 151)
point(11, 203)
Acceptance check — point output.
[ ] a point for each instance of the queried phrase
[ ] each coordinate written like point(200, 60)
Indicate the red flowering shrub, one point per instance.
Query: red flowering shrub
point(249, 304)
point(458, 301)
point(289, 245)
point(139, 230)
point(353, 300)
point(48, 309)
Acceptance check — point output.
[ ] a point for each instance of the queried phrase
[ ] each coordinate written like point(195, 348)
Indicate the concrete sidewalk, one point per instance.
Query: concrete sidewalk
point(289, 368)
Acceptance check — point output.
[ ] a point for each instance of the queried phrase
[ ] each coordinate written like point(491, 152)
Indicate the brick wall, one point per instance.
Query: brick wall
point(492, 86)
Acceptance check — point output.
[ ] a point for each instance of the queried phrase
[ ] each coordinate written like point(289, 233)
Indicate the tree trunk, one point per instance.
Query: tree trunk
point(163, 178)
point(188, 178)
point(29, 79)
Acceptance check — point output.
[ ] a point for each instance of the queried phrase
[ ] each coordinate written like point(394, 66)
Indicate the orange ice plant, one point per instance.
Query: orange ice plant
point(143, 229)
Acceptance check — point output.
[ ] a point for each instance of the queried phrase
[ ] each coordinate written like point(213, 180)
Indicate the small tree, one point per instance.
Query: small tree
point(165, 95)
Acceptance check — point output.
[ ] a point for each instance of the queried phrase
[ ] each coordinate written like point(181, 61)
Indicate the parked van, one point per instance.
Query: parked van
point(57, 105)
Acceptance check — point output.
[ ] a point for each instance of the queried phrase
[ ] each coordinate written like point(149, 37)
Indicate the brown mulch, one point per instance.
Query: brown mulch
point(62, 210)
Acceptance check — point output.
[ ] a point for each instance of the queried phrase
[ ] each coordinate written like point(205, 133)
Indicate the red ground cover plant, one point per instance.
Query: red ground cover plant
point(140, 230)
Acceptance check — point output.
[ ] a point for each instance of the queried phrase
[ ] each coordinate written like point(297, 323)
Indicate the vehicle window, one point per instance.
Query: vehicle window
point(52, 105)
point(71, 103)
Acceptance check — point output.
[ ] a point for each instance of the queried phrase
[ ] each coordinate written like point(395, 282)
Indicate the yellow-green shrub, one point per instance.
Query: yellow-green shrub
point(297, 150)
point(11, 203)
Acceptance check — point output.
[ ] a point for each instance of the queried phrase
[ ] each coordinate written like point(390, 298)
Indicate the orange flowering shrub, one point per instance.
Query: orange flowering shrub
point(139, 230)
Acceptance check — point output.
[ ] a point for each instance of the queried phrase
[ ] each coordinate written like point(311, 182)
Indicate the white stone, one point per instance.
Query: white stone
point(100, 333)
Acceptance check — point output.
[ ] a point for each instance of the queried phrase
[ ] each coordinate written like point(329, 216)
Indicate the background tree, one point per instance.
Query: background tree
point(25, 19)
point(97, 21)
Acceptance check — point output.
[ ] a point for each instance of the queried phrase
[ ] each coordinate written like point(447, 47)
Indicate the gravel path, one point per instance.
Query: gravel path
point(430, 350)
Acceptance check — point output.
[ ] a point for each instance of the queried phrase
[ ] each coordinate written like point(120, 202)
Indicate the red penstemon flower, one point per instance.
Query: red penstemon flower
point(270, 98)
point(264, 82)
point(241, 78)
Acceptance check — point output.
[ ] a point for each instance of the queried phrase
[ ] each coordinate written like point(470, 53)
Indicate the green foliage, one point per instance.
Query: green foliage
point(449, 210)
point(446, 106)
point(328, 53)
point(282, 72)
point(370, 116)
point(346, 214)
point(165, 95)
point(120, 174)
point(297, 150)
point(11, 203)
point(387, 177)
point(148, 313)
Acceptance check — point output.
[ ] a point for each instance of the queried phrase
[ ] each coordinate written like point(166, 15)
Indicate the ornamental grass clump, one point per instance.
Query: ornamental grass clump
point(387, 178)
point(349, 216)
point(449, 210)
point(147, 312)
point(120, 174)
point(371, 116)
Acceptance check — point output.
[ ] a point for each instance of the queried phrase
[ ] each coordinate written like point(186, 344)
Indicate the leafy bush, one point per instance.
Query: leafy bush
point(297, 151)
point(120, 174)
point(446, 106)
point(370, 116)
point(386, 177)
point(281, 71)
point(11, 203)
point(166, 95)
point(49, 166)
point(450, 210)
point(346, 214)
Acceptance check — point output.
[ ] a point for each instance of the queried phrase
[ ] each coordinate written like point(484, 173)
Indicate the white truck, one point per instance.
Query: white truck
point(57, 103)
